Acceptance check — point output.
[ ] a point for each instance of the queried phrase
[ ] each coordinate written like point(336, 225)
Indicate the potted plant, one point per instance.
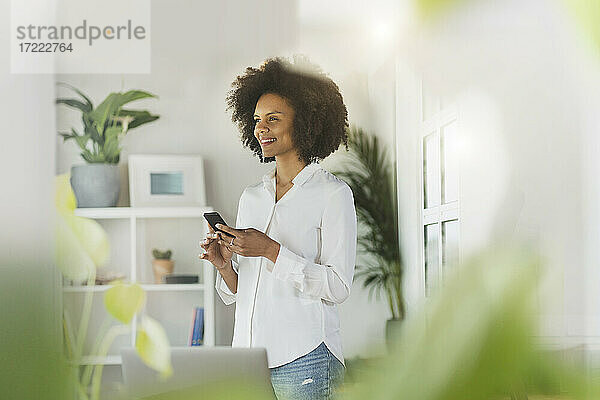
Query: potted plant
point(372, 179)
point(96, 184)
point(162, 264)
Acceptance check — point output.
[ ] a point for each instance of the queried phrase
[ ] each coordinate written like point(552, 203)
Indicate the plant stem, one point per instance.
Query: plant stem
point(85, 316)
point(69, 337)
point(390, 299)
point(82, 394)
point(399, 299)
point(110, 336)
point(87, 373)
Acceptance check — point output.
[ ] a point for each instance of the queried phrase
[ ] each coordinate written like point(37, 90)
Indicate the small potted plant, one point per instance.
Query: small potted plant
point(96, 184)
point(162, 264)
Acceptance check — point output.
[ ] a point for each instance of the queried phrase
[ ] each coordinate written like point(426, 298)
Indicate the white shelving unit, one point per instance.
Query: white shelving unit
point(178, 295)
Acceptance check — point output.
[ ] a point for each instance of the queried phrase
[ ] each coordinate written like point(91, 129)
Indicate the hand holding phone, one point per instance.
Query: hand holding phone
point(218, 254)
point(214, 218)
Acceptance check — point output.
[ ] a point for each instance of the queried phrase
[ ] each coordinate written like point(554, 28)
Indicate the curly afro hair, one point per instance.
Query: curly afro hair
point(320, 120)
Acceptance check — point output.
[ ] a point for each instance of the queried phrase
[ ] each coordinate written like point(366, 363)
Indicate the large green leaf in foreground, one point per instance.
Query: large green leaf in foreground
point(82, 244)
point(124, 301)
point(152, 346)
point(473, 340)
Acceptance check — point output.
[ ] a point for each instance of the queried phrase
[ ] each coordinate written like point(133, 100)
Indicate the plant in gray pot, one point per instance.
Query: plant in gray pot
point(96, 184)
point(372, 179)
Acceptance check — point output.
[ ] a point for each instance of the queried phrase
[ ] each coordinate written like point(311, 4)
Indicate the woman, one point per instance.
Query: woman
point(297, 249)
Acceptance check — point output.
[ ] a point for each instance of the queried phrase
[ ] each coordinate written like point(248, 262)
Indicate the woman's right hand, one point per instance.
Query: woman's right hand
point(218, 254)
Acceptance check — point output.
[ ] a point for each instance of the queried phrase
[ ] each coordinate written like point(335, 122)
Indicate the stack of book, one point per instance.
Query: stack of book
point(197, 329)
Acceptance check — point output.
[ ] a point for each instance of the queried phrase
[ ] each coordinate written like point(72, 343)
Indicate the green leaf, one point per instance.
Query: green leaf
point(111, 105)
point(71, 258)
point(93, 158)
point(81, 140)
point(139, 117)
point(87, 156)
point(133, 95)
point(123, 302)
point(64, 198)
point(102, 113)
point(112, 133)
point(153, 346)
point(84, 107)
point(93, 238)
point(90, 129)
point(82, 244)
point(66, 136)
point(111, 147)
point(79, 92)
point(587, 15)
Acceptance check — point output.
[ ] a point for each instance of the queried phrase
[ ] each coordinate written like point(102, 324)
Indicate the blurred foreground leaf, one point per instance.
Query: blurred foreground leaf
point(473, 341)
point(587, 14)
point(32, 363)
point(232, 389)
point(124, 301)
point(153, 347)
point(82, 244)
point(431, 8)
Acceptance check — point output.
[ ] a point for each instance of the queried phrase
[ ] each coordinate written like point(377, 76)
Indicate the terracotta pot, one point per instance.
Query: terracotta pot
point(162, 268)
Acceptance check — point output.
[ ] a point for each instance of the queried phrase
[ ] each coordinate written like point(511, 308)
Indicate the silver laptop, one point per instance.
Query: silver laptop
point(195, 368)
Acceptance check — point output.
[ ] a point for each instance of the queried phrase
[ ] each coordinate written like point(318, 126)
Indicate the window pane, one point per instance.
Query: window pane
point(432, 264)
point(449, 244)
point(431, 170)
point(449, 137)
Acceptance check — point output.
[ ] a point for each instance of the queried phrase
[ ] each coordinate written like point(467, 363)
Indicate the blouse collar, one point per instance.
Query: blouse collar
point(300, 179)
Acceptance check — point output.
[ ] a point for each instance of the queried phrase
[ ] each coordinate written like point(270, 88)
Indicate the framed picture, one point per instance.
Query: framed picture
point(166, 180)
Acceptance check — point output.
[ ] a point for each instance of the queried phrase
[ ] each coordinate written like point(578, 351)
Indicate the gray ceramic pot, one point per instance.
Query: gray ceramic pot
point(95, 185)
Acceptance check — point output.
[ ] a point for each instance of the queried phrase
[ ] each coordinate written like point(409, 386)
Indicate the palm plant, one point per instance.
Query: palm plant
point(105, 125)
point(372, 179)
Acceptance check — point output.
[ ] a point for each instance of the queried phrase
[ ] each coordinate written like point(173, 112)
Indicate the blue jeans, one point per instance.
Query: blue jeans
point(314, 376)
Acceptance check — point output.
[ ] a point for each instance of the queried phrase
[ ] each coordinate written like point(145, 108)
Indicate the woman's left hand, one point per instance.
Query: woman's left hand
point(249, 243)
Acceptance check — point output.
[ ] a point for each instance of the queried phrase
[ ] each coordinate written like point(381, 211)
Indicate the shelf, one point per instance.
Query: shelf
point(142, 212)
point(175, 287)
point(97, 360)
point(179, 287)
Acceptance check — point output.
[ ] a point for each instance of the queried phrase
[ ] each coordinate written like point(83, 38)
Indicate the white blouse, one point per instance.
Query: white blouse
point(289, 307)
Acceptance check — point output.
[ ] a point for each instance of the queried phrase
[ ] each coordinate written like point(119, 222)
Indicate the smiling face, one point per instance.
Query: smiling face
point(273, 119)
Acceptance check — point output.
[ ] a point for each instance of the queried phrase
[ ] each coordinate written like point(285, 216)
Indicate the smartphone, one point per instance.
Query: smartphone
point(214, 218)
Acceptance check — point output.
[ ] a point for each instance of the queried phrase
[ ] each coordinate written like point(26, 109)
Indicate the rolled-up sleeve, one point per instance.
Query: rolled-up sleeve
point(330, 280)
point(222, 289)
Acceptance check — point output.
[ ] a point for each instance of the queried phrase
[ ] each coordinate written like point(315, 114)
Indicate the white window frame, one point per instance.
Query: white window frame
point(443, 212)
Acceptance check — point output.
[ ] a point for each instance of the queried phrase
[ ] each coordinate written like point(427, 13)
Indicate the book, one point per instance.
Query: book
point(198, 333)
point(191, 336)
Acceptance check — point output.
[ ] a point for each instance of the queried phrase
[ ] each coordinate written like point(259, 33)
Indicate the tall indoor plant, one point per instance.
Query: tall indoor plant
point(371, 177)
point(96, 184)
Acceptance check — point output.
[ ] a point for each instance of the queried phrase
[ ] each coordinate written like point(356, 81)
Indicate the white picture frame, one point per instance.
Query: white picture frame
point(157, 180)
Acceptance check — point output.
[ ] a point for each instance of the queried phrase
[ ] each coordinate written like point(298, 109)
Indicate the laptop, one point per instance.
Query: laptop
point(199, 369)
